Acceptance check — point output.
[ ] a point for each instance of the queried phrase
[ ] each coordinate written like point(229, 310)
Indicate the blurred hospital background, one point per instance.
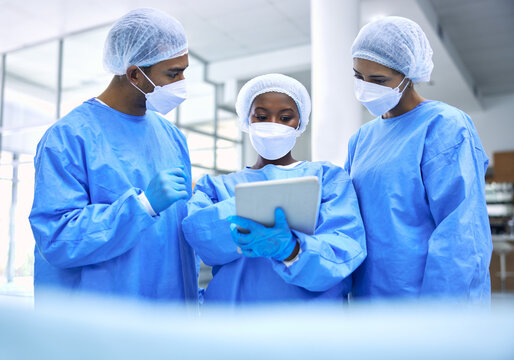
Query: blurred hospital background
point(51, 61)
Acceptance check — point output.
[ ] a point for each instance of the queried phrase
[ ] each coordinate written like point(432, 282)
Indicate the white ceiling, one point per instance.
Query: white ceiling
point(219, 30)
point(216, 29)
point(482, 32)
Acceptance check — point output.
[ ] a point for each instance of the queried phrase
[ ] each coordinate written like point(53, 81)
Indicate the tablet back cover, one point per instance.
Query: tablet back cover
point(298, 197)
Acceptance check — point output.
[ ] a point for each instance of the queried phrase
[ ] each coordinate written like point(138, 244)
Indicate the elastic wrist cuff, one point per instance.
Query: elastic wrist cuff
point(146, 204)
point(288, 250)
point(292, 261)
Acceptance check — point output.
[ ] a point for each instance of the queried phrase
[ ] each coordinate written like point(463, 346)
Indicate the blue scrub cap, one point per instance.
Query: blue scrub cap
point(143, 37)
point(273, 83)
point(397, 43)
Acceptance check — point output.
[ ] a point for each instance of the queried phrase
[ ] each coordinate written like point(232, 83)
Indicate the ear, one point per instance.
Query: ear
point(133, 74)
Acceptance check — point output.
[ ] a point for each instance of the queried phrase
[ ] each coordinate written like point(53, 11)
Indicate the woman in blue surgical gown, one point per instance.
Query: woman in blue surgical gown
point(418, 170)
point(276, 263)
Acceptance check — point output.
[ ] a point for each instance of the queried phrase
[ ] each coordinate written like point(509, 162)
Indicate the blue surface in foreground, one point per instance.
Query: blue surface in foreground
point(98, 328)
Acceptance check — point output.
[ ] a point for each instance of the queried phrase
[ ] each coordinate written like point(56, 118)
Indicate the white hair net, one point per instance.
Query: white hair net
point(397, 43)
point(273, 83)
point(143, 37)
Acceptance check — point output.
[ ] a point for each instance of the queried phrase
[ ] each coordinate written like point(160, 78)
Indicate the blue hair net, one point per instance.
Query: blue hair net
point(273, 83)
point(397, 43)
point(143, 37)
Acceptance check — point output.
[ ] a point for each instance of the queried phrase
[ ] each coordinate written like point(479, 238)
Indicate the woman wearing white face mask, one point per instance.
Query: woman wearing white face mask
point(418, 170)
point(276, 264)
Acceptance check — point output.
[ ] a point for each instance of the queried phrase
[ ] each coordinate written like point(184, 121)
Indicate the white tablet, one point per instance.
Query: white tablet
point(298, 197)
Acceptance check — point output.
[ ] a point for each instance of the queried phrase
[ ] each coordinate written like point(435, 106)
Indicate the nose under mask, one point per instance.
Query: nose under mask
point(378, 99)
point(165, 98)
point(271, 140)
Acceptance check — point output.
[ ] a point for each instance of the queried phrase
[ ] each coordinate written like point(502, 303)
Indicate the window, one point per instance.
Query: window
point(39, 84)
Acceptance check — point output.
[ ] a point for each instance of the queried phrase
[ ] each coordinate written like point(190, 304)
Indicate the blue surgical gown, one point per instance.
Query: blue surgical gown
point(419, 178)
point(327, 258)
point(92, 232)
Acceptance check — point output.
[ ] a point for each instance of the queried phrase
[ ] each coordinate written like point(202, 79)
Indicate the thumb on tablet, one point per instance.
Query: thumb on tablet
point(280, 218)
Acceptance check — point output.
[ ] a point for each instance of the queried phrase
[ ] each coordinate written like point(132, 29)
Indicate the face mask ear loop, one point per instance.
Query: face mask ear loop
point(400, 84)
point(134, 85)
point(151, 82)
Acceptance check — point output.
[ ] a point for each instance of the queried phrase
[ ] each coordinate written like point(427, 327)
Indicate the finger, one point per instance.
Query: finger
point(234, 233)
point(244, 240)
point(176, 171)
point(182, 194)
point(245, 248)
point(246, 243)
point(280, 218)
point(172, 191)
point(176, 179)
point(243, 222)
point(241, 239)
point(177, 186)
point(243, 230)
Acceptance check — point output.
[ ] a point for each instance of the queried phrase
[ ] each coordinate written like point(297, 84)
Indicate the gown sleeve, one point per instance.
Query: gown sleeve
point(351, 150)
point(338, 245)
point(205, 227)
point(68, 229)
point(459, 249)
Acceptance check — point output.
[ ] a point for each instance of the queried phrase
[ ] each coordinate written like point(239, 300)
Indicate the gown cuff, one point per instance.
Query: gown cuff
point(146, 204)
point(293, 260)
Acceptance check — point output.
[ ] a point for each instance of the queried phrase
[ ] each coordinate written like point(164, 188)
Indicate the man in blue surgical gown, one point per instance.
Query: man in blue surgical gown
point(113, 176)
point(418, 170)
point(276, 264)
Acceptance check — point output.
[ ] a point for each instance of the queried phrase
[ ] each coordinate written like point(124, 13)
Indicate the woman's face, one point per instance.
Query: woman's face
point(275, 107)
point(373, 72)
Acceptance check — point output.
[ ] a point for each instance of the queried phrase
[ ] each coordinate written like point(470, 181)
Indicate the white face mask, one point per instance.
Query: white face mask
point(165, 98)
point(378, 99)
point(271, 140)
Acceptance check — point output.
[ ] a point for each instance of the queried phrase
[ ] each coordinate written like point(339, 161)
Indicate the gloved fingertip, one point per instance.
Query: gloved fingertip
point(234, 229)
point(280, 216)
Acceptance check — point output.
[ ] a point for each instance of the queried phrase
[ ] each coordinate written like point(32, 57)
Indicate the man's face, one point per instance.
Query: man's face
point(165, 72)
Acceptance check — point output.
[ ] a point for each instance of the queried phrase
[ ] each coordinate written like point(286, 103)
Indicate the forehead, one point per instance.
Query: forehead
point(180, 62)
point(274, 99)
point(370, 67)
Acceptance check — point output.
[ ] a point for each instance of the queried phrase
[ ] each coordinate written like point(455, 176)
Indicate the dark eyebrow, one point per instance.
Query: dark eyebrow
point(175, 69)
point(261, 108)
point(373, 76)
point(284, 110)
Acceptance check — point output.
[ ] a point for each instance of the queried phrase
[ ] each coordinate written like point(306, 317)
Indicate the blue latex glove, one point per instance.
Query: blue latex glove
point(167, 187)
point(275, 242)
